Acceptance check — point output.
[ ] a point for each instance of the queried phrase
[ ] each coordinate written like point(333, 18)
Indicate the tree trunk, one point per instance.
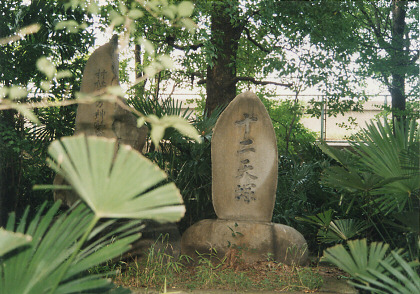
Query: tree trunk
point(8, 168)
point(399, 59)
point(140, 87)
point(221, 71)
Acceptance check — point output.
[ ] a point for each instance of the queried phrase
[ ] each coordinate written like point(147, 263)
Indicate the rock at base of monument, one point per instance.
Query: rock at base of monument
point(256, 241)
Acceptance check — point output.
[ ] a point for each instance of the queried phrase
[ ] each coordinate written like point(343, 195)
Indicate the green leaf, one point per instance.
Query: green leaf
point(141, 121)
point(166, 61)
point(135, 13)
point(373, 269)
point(157, 132)
point(182, 125)
point(10, 241)
point(46, 67)
point(148, 46)
point(185, 8)
point(26, 112)
point(116, 90)
point(190, 25)
point(17, 92)
point(115, 181)
point(64, 74)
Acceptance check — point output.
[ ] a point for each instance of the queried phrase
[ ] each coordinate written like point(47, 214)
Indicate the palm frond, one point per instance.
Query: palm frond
point(373, 269)
point(115, 181)
point(35, 268)
point(10, 241)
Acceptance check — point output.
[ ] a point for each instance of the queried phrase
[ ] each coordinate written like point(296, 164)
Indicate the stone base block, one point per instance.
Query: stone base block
point(256, 241)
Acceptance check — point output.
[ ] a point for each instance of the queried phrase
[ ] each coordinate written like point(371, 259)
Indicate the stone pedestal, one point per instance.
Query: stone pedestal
point(244, 182)
point(255, 241)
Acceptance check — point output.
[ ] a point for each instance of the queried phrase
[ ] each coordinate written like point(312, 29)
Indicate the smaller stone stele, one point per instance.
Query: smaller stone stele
point(103, 118)
point(244, 170)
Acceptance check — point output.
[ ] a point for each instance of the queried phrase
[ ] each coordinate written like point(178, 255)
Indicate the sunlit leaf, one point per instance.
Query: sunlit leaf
point(147, 45)
point(17, 92)
point(71, 26)
point(46, 67)
point(63, 74)
point(116, 90)
point(166, 61)
point(10, 241)
point(182, 125)
point(46, 85)
point(189, 24)
point(26, 112)
point(135, 13)
point(157, 132)
point(170, 11)
point(185, 8)
point(140, 122)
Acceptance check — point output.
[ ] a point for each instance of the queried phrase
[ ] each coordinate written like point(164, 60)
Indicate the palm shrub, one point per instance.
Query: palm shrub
point(374, 268)
point(52, 256)
point(381, 179)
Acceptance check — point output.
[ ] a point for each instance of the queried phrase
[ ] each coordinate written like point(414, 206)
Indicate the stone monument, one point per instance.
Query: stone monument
point(103, 118)
point(244, 182)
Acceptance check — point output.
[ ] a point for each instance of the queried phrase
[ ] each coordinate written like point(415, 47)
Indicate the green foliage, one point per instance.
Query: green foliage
point(373, 269)
point(384, 165)
point(334, 231)
point(51, 261)
point(290, 132)
point(10, 241)
point(379, 181)
point(61, 251)
point(299, 193)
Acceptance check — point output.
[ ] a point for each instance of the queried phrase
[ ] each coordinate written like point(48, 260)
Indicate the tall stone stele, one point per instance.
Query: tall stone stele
point(244, 182)
point(103, 118)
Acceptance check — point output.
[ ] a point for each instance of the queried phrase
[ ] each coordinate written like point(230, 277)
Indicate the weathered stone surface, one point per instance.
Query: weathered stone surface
point(103, 118)
point(256, 241)
point(244, 161)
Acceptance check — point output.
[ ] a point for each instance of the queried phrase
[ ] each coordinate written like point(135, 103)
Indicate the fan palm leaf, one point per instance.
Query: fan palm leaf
point(115, 181)
point(374, 269)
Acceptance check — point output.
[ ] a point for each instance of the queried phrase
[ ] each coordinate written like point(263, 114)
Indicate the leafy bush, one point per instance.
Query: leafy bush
point(290, 132)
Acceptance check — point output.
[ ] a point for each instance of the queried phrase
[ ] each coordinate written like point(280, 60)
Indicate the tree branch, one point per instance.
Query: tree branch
point(263, 83)
point(248, 34)
point(170, 40)
point(252, 80)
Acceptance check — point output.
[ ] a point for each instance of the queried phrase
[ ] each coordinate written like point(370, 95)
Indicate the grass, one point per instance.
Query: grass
point(159, 271)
